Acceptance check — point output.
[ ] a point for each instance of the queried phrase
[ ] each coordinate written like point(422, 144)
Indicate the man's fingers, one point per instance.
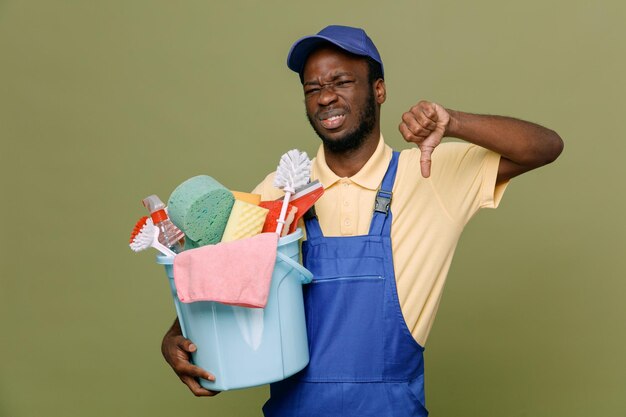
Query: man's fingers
point(187, 368)
point(425, 114)
point(189, 373)
point(428, 108)
point(408, 119)
point(414, 125)
point(424, 124)
point(197, 389)
point(426, 150)
point(408, 135)
point(177, 350)
point(185, 344)
point(181, 364)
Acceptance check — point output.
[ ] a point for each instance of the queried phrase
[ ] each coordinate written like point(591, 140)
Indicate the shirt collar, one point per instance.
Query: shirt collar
point(370, 176)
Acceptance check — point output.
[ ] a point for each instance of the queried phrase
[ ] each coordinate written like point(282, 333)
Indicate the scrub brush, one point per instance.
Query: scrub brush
point(145, 235)
point(293, 172)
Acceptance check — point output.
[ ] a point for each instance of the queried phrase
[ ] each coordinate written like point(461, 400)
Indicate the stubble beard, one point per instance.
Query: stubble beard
point(354, 139)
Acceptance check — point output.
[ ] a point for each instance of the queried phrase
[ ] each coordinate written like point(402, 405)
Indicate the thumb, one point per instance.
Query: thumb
point(186, 345)
point(425, 159)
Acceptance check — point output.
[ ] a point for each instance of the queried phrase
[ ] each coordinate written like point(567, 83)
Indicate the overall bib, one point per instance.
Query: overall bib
point(363, 359)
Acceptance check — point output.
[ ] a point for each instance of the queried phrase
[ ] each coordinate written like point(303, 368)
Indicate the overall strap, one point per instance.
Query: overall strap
point(311, 224)
point(381, 219)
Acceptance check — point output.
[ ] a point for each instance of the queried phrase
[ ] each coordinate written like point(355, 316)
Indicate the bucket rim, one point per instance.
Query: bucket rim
point(285, 240)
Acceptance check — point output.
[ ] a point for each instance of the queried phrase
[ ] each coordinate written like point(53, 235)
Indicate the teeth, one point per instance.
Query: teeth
point(333, 118)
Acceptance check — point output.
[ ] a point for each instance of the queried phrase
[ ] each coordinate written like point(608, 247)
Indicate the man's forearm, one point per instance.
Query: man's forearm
point(525, 144)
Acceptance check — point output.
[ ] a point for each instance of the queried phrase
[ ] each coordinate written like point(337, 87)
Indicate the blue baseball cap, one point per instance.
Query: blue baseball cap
point(353, 40)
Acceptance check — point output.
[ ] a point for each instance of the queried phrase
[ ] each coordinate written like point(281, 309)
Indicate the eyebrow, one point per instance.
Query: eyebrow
point(338, 75)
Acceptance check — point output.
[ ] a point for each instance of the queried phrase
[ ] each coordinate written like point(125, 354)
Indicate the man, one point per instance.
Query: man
point(385, 232)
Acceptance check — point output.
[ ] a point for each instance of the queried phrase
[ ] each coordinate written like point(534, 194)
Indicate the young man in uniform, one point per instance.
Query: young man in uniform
point(385, 231)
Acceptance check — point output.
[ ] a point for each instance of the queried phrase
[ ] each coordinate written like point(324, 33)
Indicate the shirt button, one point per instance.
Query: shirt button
point(346, 203)
point(347, 222)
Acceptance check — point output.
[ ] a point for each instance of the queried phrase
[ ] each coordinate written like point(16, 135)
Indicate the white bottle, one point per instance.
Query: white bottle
point(169, 235)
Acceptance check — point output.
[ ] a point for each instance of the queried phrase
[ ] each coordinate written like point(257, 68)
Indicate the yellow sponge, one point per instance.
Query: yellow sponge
point(246, 220)
point(247, 197)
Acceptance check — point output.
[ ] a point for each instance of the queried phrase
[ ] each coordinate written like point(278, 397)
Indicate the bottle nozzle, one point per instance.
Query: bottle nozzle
point(156, 208)
point(153, 203)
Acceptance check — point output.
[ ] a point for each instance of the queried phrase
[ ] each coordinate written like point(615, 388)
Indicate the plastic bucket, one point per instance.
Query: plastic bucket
point(246, 347)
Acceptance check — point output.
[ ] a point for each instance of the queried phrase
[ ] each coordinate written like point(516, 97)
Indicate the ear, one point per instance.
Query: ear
point(380, 92)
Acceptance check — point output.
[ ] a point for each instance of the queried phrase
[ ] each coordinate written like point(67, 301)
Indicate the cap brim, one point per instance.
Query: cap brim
point(301, 49)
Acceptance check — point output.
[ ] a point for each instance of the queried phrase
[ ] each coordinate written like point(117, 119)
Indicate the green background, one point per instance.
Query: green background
point(103, 103)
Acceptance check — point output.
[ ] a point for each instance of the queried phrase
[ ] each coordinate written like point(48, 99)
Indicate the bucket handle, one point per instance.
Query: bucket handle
point(305, 275)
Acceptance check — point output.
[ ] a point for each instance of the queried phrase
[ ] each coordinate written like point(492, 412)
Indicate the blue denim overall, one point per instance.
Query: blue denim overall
point(363, 359)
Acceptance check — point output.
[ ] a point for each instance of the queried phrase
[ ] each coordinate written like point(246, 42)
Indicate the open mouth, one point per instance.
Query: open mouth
point(332, 121)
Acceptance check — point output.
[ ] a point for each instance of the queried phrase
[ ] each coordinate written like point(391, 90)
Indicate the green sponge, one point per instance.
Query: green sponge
point(200, 207)
point(190, 244)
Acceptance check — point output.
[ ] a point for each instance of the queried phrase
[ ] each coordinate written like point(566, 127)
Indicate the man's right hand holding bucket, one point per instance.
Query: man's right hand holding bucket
point(176, 350)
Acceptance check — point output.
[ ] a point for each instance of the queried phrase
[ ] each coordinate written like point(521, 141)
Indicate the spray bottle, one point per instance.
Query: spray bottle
point(169, 235)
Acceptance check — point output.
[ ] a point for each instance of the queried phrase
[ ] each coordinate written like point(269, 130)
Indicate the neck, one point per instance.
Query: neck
point(348, 163)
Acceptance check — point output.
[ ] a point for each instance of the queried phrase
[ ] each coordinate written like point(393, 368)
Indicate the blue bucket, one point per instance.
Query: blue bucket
point(246, 347)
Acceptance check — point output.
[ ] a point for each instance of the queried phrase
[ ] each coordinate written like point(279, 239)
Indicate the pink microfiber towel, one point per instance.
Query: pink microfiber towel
point(237, 273)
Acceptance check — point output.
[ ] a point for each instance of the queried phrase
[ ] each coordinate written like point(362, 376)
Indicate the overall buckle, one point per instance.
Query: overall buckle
point(383, 201)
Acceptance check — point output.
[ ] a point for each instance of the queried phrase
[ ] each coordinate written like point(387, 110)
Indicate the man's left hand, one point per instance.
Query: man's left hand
point(425, 124)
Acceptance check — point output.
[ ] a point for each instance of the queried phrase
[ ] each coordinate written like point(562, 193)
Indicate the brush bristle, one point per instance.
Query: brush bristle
point(137, 228)
point(143, 239)
point(293, 171)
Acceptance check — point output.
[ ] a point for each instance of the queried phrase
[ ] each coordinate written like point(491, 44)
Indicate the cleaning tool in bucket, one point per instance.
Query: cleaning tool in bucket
point(236, 272)
point(245, 220)
point(304, 198)
point(294, 170)
point(271, 221)
point(200, 207)
point(245, 347)
point(247, 197)
point(169, 235)
point(145, 234)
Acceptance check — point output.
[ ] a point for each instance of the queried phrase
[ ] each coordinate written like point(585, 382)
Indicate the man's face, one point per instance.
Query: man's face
point(340, 102)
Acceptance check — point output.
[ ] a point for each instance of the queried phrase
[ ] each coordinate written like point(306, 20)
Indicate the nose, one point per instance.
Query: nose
point(327, 95)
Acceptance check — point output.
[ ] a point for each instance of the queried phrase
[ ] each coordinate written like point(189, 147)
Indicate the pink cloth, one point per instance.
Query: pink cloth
point(237, 273)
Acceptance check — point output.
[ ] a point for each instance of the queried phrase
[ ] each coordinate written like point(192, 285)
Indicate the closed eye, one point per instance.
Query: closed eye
point(314, 87)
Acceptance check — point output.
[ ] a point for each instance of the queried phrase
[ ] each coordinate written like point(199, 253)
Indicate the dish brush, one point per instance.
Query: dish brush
point(294, 170)
point(145, 234)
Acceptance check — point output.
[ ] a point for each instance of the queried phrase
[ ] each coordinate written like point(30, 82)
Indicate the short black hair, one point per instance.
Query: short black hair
point(374, 69)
